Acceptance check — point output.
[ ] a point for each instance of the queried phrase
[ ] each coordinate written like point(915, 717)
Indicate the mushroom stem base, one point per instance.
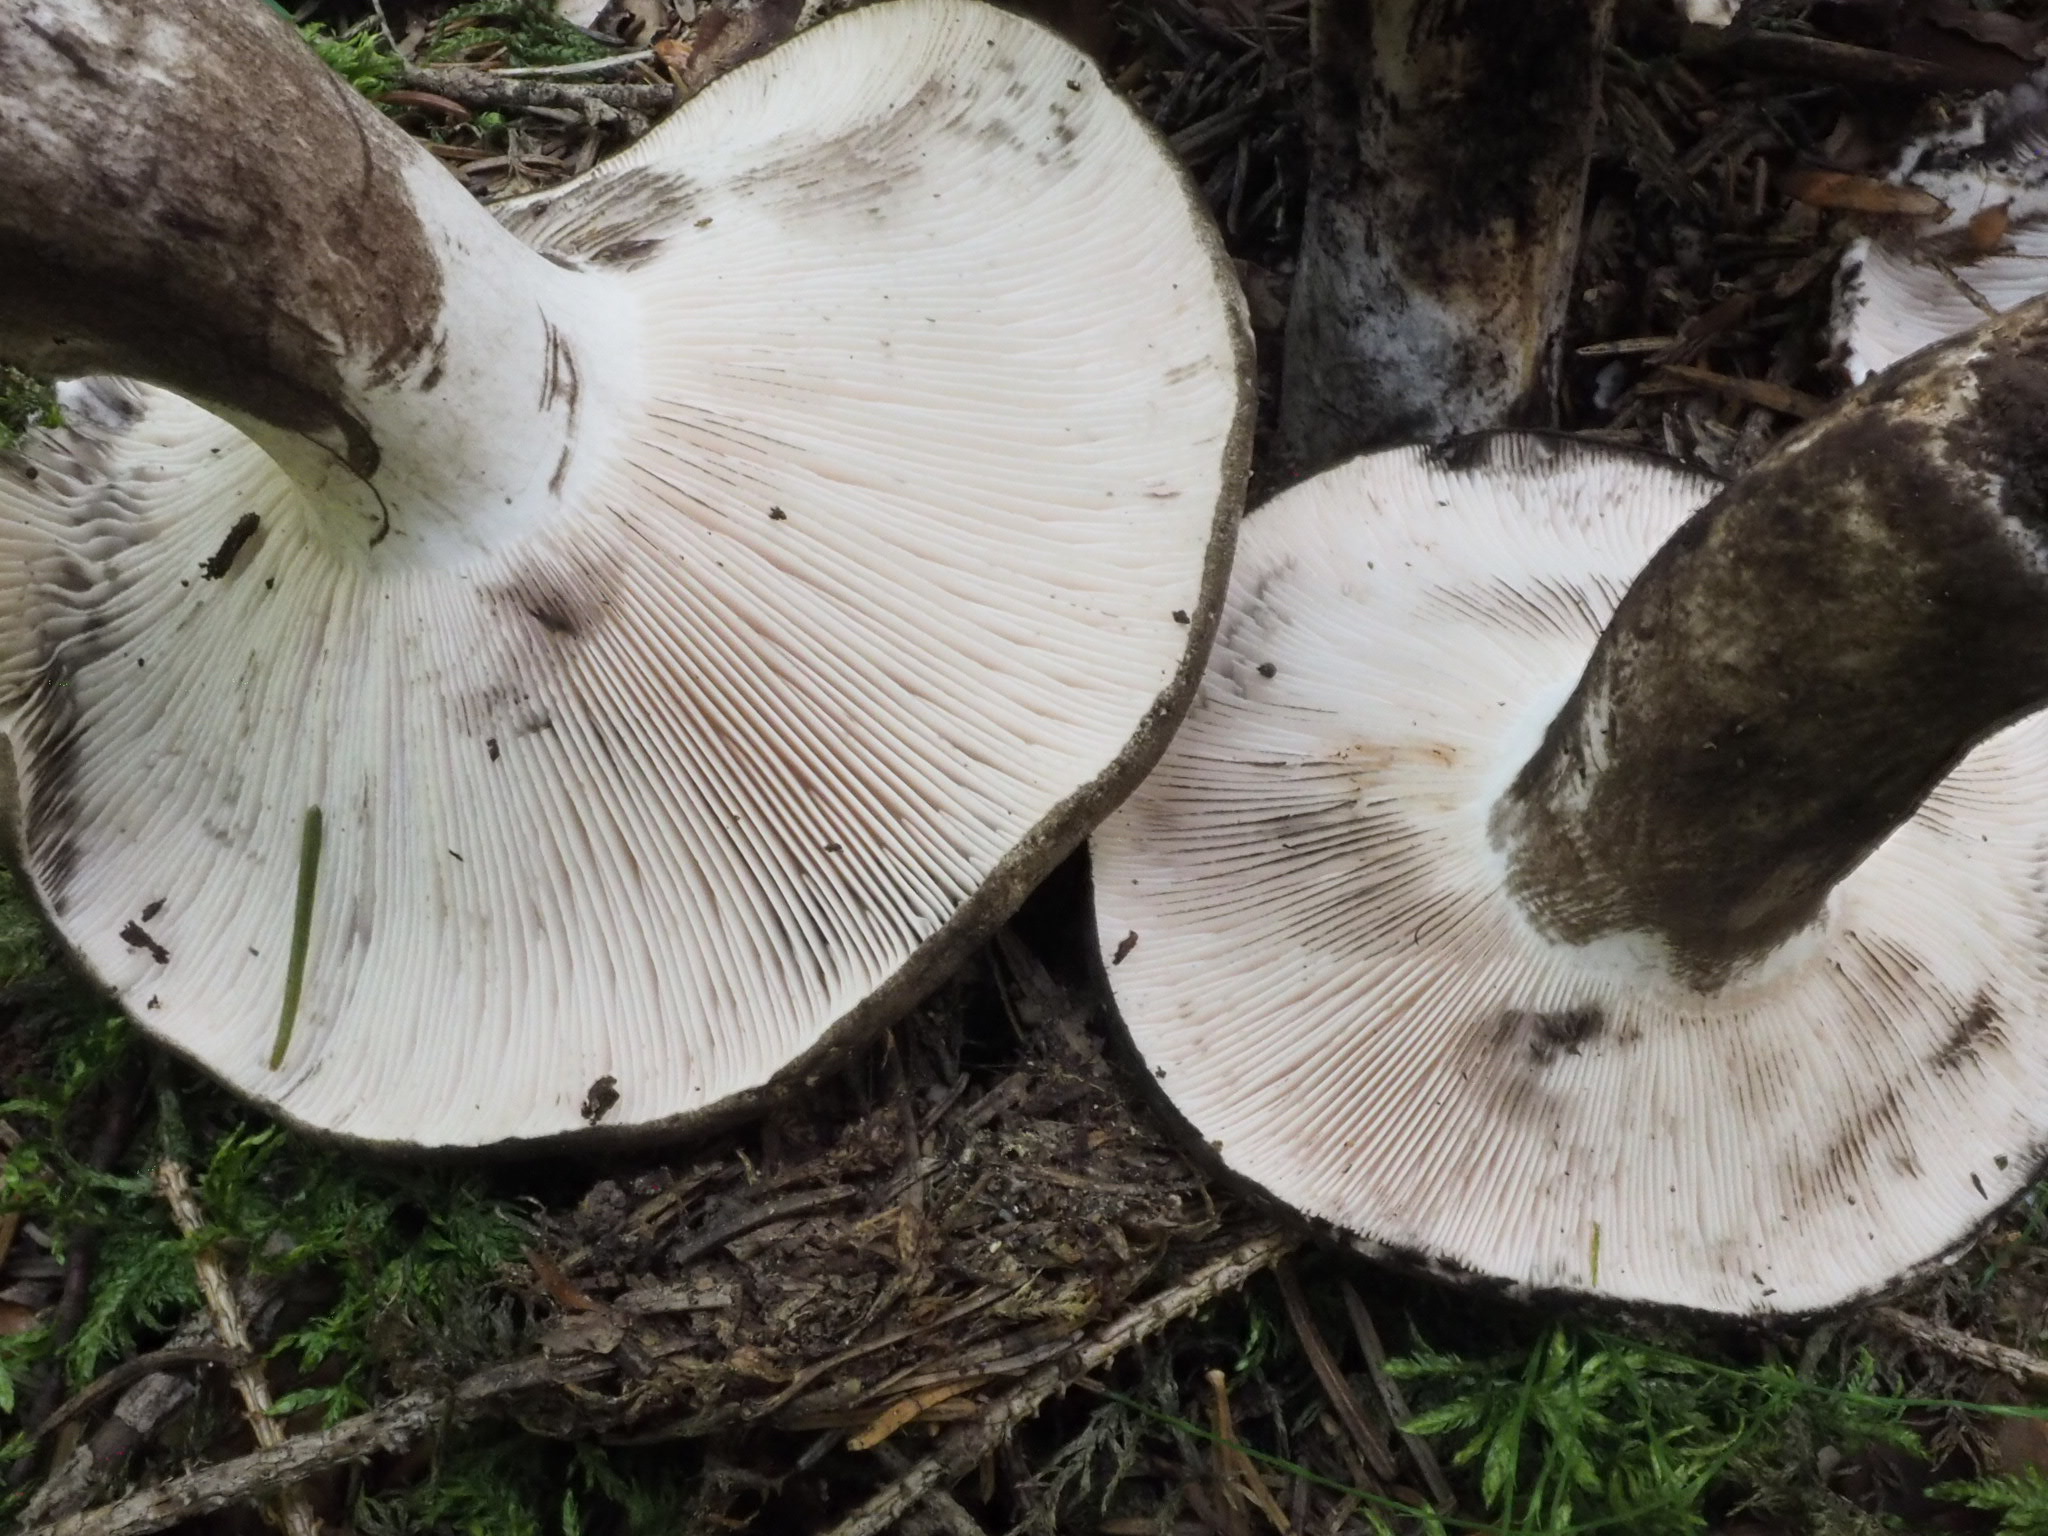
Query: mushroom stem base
point(1799, 666)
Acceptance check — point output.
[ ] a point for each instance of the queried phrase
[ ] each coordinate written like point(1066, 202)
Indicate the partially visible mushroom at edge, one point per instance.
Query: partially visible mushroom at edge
point(1970, 238)
point(1564, 888)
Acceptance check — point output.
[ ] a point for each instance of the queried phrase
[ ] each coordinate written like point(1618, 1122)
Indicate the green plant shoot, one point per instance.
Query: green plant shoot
point(302, 929)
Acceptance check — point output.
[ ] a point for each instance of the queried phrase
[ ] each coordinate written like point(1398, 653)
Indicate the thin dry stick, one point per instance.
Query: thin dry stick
point(2022, 1367)
point(587, 67)
point(947, 1513)
point(392, 1427)
point(755, 1217)
point(1394, 1402)
point(1371, 1443)
point(141, 1413)
point(963, 1448)
point(120, 1377)
point(295, 1513)
point(490, 88)
point(384, 26)
point(1236, 1474)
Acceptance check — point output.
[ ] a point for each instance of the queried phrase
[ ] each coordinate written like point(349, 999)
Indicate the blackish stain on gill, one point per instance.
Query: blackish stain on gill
point(1971, 1034)
point(1547, 1036)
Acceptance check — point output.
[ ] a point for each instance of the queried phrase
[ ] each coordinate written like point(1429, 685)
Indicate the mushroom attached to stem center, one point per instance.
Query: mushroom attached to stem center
point(1563, 882)
point(697, 601)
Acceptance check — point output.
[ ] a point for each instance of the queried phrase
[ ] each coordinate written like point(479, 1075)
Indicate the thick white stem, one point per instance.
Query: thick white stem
point(502, 418)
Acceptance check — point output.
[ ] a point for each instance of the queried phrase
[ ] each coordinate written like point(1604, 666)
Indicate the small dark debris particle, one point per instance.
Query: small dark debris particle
point(834, 848)
point(598, 1102)
point(223, 559)
point(1159, 1071)
point(703, 223)
point(255, 951)
point(1180, 616)
point(1073, 85)
point(458, 858)
point(270, 583)
point(152, 909)
point(1979, 1186)
point(138, 661)
point(1267, 669)
point(551, 618)
point(1999, 1162)
point(153, 1003)
point(491, 746)
point(777, 515)
point(135, 936)
point(1124, 946)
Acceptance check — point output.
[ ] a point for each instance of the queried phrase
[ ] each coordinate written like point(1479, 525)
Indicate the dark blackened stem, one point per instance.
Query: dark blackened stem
point(1449, 145)
point(427, 380)
point(142, 234)
point(1801, 664)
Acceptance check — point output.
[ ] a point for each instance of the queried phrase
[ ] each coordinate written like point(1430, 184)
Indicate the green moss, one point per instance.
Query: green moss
point(25, 947)
point(26, 402)
point(528, 30)
point(1589, 1430)
point(360, 56)
point(2019, 1499)
point(396, 1271)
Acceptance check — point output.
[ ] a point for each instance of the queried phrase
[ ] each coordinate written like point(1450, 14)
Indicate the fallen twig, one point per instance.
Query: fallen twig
point(946, 1514)
point(585, 67)
point(1818, 58)
point(394, 1426)
point(1392, 1399)
point(601, 106)
point(137, 1418)
point(120, 1377)
point(1773, 397)
point(1953, 1342)
point(755, 1217)
point(1371, 1444)
point(964, 1447)
point(295, 1513)
point(1237, 1477)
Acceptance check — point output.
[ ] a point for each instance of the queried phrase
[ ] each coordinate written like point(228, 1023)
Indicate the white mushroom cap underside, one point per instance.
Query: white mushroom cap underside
point(1320, 968)
point(1921, 281)
point(943, 399)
